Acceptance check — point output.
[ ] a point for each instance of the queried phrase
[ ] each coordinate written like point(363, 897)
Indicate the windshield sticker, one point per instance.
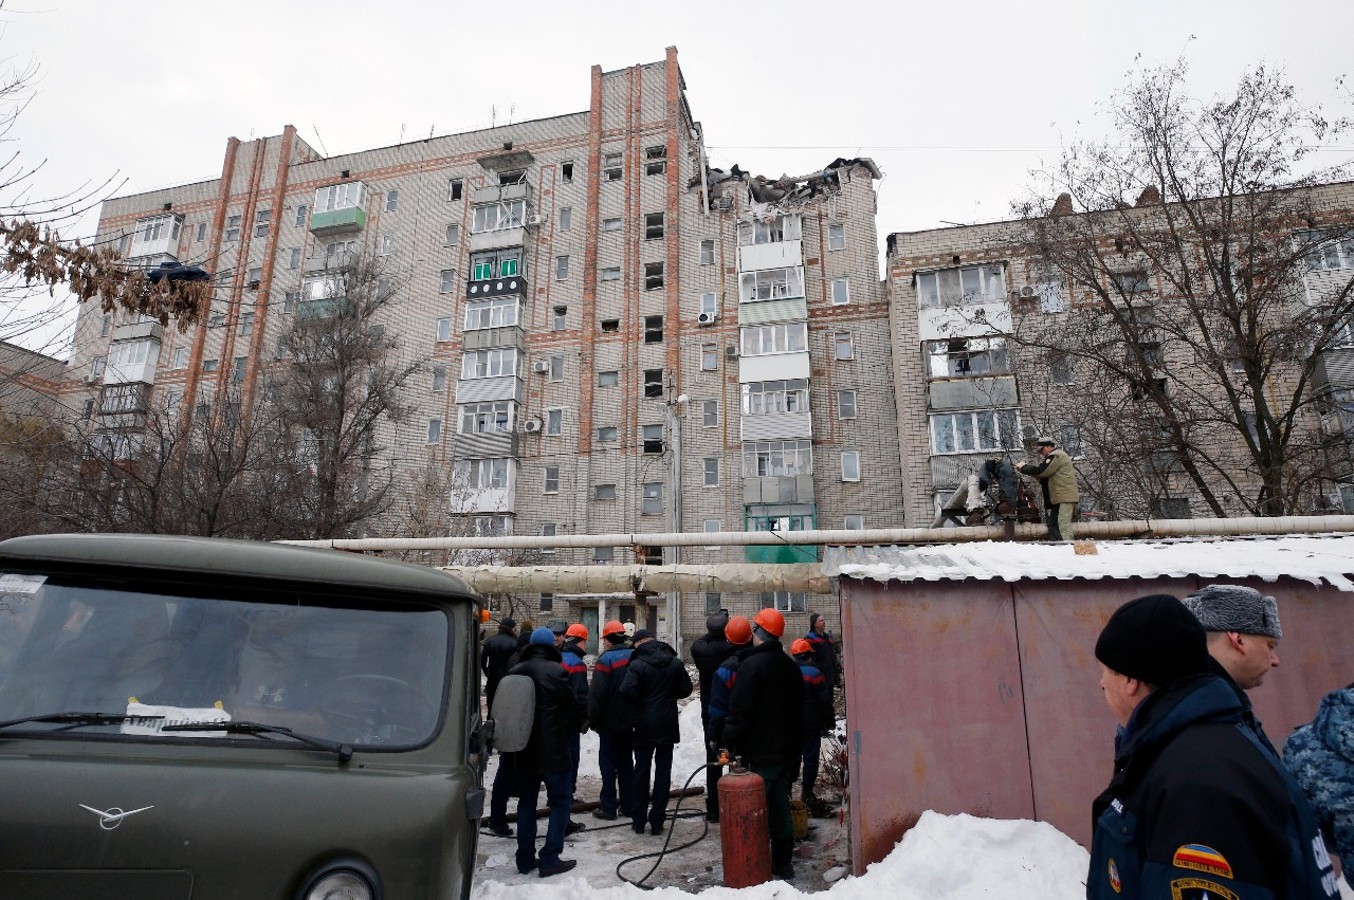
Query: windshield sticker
point(13, 583)
point(145, 719)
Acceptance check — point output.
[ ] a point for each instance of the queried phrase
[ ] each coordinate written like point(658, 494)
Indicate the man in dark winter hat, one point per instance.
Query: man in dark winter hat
point(494, 656)
point(654, 681)
point(1197, 807)
point(824, 650)
point(707, 652)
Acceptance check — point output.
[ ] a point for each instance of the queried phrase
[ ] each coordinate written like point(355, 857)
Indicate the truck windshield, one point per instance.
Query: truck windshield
point(369, 674)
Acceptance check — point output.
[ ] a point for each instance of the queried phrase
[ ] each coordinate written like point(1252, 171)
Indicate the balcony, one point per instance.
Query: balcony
point(502, 286)
point(783, 517)
point(501, 193)
point(157, 236)
point(349, 220)
point(118, 399)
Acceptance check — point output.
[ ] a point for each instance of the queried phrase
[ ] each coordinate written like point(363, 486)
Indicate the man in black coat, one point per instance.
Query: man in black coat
point(494, 656)
point(546, 758)
point(765, 728)
point(824, 650)
point(707, 652)
point(654, 681)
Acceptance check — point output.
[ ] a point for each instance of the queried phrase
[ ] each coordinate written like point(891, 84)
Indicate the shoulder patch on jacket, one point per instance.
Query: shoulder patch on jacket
point(1201, 859)
point(1199, 889)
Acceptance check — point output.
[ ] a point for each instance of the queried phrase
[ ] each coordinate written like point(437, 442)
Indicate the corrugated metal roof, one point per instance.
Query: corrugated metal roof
point(1317, 559)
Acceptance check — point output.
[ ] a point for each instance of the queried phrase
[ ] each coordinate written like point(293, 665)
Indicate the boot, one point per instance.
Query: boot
point(819, 809)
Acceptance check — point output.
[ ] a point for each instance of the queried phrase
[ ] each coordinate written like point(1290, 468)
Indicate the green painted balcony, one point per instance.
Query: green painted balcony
point(338, 221)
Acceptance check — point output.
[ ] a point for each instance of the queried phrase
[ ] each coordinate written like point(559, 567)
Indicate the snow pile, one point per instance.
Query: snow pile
point(941, 858)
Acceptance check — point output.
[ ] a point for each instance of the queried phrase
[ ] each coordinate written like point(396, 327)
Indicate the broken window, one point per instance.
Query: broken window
point(566, 171)
point(610, 325)
point(966, 284)
point(1144, 390)
point(965, 357)
point(455, 188)
point(611, 166)
point(653, 276)
point(771, 284)
point(655, 160)
point(1130, 283)
point(653, 226)
point(780, 228)
point(653, 382)
point(653, 329)
point(653, 438)
point(512, 176)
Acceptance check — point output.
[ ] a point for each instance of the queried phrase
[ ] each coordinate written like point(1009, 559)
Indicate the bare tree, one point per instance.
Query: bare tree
point(1180, 321)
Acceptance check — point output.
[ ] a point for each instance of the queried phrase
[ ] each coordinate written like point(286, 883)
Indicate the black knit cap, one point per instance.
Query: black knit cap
point(716, 622)
point(1155, 639)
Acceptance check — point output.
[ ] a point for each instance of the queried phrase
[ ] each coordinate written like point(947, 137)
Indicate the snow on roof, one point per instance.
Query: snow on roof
point(1316, 559)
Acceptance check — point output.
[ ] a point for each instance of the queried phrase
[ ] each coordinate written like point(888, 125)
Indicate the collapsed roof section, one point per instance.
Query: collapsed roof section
point(785, 192)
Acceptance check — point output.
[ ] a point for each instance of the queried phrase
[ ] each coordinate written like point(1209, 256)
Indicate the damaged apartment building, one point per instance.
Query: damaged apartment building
point(613, 336)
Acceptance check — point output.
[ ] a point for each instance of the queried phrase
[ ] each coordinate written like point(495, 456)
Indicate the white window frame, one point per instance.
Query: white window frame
point(974, 431)
point(709, 413)
point(836, 236)
point(338, 196)
point(261, 221)
point(709, 357)
point(499, 216)
point(434, 433)
point(840, 291)
point(707, 252)
point(550, 480)
point(781, 228)
point(849, 396)
point(763, 459)
point(613, 166)
point(971, 357)
point(446, 281)
point(768, 340)
point(489, 417)
point(492, 312)
point(392, 199)
point(771, 284)
point(494, 362)
point(850, 465)
point(487, 474)
point(983, 283)
point(651, 498)
point(302, 212)
point(843, 345)
point(554, 421)
point(761, 398)
point(712, 526)
point(709, 304)
point(444, 329)
point(387, 244)
point(710, 471)
point(790, 601)
point(566, 218)
point(611, 273)
point(180, 358)
point(611, 224)
point(557, 367)
point(452, 237)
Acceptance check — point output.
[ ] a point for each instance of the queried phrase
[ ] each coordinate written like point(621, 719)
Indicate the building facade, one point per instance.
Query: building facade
point(615, 338)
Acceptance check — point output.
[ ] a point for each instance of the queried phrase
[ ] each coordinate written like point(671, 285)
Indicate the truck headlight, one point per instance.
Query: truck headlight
point(340, 884)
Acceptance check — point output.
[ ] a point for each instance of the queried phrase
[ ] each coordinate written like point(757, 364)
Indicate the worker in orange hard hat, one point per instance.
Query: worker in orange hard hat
point(765, 727)
point(818, 721)
point(612, 716)
point(738, 632)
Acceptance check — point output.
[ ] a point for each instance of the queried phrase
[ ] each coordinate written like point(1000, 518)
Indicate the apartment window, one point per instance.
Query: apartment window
point(842, 346)
point(392, 199)
point(387, 245)
point(489, 363)
point(548, 529)
point(652, 438)
point(653, 226)
point(447, 282)
point(655, 160)
point(611, 273)
point(566, 171)
point(711, 470)
point(338, 196)
point(486, 474)
point(853, 522)
point(651, 501)
point(289, 301)
point(611, 166)
point(501, 216)
point(713, 603)
point(486, 418)
point(547, 602)
point(608, 379)
point(709, 357)
point(604, 555)
point(339, 253)
point(561, 268)
point(1143, 390)
point(841, 291)
point(836, 237)
point(1060, 369)
point(294, 258)
point(559, 319)
point(604, 492)
point(124, 245)
point(653, 329)
point(761, 340)
point(434, 431)
point(1052, 298)
point(1328, 249)
point(301, 212)
point(1069, 438)
point(710, 413)
point(653, 276)
point(610, 326)
point(613, 224)
point(453, 235)
point(444, 329)
point(770, 397)
point(180, 357)
point(965, 284)
point(98, 363)
point(201, 231)
point(488, 264)
point(253, 276)
point(607, 434)
point(557, 367)
point(551, 485)
point(439, 378)
point(790, 601)
point(261, 222)
point(979, 431)
point(771, 284)
point(497, 312)
point(216, 320)
point(967, 357)
point(707, 252)
point(105, 326)
point(781, 228)
point(850, 465)
point(1130, 283)
point(554, 421)
point(767, 458)
point(1151, 353)
point(566, 218)
point(1171, 508)
point(653, 382)
point(455, 188)
point(709, 305)
point(246, 324)
point(208, 365)
point(232, 228)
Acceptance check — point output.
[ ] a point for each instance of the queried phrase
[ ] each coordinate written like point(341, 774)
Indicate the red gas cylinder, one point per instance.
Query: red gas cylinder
point(742, 829)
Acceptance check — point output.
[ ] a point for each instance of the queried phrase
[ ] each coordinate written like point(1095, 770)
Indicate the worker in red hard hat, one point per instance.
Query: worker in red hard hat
point(765, 727)
point(818, 721)
point(572, 652)
point(612, 716)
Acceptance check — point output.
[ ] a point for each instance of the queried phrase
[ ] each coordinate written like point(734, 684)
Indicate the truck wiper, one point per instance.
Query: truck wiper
point(344, 751)
point(76, 719)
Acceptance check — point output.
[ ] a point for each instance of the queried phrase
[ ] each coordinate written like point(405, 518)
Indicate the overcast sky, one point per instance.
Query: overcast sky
point(956, 102)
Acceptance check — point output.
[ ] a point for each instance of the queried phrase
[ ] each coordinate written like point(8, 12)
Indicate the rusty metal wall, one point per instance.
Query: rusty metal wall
point(983, 697)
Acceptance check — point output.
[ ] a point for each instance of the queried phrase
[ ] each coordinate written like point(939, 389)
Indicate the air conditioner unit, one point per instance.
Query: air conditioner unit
point(706, 318)
point(541, 366)
point(731, 351)
point(89, 379)
point(531, 426)
point(1028, 291)
point(535, 219)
